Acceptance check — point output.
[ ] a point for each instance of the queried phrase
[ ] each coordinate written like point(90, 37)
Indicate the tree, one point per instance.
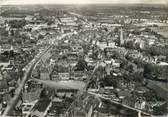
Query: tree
point(43, 93)
point(86, 47)
point(12, 32)
point(81, 65)
point(40, 36)
point(11, 53)
point(17, 34)
point(3, 32)
point(17, 23)
point(147, 70)
point(109, 81)
point(50, 21)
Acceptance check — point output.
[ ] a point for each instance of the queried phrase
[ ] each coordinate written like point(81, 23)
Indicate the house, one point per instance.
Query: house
point(72, 56)
point(3, 84)
point(78, 75)
point(29, 18)
point(44, 74)
point(77, 48)
point(55, 76)
point(5, 47)
point(64, 76)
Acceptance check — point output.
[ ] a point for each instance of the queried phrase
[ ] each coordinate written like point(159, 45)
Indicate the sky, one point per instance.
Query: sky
point(10, 2)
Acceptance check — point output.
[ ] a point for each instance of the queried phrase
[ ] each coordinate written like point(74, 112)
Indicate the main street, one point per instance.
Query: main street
point(27, 75)
point(18, 91)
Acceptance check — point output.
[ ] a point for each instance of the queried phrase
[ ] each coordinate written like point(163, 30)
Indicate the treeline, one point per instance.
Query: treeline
point(156, 72)
point(17, 23)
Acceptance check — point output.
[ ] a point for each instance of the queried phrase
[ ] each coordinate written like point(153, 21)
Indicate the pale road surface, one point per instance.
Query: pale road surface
point(67, 84)
point(27, 75)
point(18, 91)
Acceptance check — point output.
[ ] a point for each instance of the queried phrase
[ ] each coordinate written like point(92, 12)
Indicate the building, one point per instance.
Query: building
point(64, 76)
point(6, 47)
point(3, 84)
point(44, 73)
point(121, 37)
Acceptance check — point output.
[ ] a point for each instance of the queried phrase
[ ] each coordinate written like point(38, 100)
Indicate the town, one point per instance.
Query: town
point(82, 61)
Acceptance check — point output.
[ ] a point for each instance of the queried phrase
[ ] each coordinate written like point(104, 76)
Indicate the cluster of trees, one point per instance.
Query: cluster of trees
point(110, 81)
point(15, 36)
point(50, 21)
point(81, 65)
point(3, 32)
point(86, 47)
point(154, 72)
point(17, 23)
point(7, 55)
point(157, 50)
point(95, 52)
point(40, 36)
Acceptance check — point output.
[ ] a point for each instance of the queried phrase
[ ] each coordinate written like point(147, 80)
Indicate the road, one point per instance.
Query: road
point(18, 91)
point(120, 104)
point(27, 75)
point(98, 96)
point(67, 84)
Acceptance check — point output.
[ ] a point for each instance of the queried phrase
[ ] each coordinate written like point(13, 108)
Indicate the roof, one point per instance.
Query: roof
point(142, 89)
point(163, 63)
point(1, 77)
point(3, 84)
point(123, 93)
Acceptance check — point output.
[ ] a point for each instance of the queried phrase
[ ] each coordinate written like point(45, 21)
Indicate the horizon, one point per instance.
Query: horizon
point(81, 2)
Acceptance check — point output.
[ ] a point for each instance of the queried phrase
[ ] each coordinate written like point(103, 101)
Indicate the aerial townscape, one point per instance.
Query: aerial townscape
point(84, 60)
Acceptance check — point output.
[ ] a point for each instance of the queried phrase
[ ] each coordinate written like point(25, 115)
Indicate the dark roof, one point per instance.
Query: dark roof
point(3, 84)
